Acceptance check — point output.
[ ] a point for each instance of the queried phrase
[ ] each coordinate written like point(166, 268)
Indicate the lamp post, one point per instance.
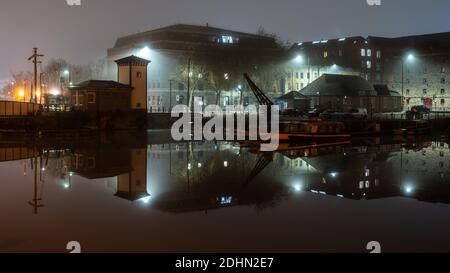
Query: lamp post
point(409, 57)
point(41, 84)
point(300, 59)
point(170, 94)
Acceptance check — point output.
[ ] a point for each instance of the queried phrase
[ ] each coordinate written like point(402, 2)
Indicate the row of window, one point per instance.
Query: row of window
point(79, 100)
point(425, 70)
point(442, 101)
point(425, 81)
point(368, 53)
point(425, 91)
point(364, 53)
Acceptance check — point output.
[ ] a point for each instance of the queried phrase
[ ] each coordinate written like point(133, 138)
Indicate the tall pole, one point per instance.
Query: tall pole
point(170, 96)
point(188, 82)
point(34, 59)
point(41, 84)
point(403, 83)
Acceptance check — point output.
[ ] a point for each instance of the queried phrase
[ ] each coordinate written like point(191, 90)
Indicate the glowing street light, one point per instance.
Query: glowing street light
point(144, 52)
point(298, 187)
point(299, 59)
point(21, 94)
point(66, 72)
point(55, 92)
point(409, 57)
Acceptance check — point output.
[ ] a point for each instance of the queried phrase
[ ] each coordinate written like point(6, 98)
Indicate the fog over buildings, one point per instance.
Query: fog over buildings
point(82, 34)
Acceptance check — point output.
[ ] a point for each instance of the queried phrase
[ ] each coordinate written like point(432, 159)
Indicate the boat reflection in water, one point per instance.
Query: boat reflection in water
point(183, 177)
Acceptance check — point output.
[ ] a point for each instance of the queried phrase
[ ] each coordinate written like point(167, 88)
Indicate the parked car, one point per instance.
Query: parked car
point(315, 112)
point(417, 112)
point(332, 113)
point(420, 109)
point(358, 113)
point(292, 113)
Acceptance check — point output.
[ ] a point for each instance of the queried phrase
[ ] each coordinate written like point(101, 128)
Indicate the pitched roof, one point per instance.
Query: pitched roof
point(339, 85)
point(293, 95)
point(133, 60)
point(96, 84)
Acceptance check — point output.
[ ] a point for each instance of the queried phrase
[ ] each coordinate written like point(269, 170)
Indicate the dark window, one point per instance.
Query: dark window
point(91, 97)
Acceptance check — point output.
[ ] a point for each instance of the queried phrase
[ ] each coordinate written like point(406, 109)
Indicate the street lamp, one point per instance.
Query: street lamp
point(144, 52)
point(410, 57)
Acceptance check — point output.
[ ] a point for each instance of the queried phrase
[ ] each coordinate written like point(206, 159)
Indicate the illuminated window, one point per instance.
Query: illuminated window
point(363, 52)
point(227, 40)
point(369, 64)
point(369, 53)
point(378, 54)
point(325, 54)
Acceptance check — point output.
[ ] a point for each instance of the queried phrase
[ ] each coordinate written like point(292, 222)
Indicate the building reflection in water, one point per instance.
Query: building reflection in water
point(184, 177)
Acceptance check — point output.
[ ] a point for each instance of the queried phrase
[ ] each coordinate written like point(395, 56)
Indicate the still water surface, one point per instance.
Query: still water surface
point(141, 193)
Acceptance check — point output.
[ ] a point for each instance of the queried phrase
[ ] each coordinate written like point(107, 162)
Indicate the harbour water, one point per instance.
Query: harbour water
point(145, 193)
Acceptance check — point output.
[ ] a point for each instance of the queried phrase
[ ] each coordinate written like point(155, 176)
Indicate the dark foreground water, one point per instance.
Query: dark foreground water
point(139, 193)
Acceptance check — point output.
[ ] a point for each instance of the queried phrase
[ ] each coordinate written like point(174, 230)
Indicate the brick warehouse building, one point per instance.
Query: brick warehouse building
point(424, 79)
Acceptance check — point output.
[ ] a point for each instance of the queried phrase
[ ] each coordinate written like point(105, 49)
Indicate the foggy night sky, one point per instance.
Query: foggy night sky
point(82, 34)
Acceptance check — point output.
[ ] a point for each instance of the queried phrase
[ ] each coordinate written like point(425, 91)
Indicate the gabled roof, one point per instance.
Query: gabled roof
point(133, 60)
point(96, 84)
point(339, 85)
point(293, 95)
